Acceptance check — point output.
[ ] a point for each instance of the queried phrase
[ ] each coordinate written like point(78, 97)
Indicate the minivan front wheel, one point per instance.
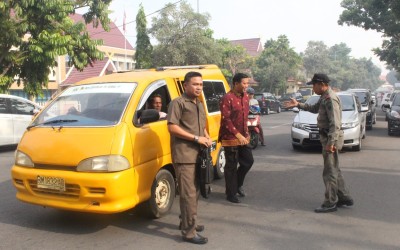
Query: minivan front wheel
point(162, 194)
point(220, 165)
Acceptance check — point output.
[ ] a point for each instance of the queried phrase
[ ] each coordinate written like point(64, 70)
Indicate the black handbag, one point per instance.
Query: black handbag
point(205, 171)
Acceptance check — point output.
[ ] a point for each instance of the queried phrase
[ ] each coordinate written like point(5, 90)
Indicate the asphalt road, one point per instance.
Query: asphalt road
point(283, 187)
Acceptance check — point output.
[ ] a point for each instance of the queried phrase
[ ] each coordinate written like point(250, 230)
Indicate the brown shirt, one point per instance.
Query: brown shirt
point(234, 115)
point(191, 117)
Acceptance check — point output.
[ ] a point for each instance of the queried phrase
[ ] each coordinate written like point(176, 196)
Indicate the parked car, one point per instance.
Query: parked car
point(268, 102)
point(288, 96)
point(306, 133)
point(15, 115)
point(367, 104)
point(393, 115)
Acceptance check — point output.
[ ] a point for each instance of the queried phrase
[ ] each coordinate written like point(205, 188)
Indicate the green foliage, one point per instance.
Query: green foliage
point(276, 64)
point(234, 58)
point(380, 15)
point(183, 37)
point(343, 70)
point(34, 33)
point(144, 49)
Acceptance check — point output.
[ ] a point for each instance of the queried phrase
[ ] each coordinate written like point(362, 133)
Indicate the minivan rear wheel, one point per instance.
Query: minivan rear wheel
point(162, 194)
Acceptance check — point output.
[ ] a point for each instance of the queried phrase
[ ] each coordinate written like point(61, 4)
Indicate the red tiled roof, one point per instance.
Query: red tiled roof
point(113, 38)
point(76, 75)
point(252, 45)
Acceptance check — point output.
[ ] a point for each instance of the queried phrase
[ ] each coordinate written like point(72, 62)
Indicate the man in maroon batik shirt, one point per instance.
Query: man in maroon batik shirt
point(234, 136)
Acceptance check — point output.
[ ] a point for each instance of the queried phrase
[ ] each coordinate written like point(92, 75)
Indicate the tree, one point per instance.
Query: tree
point(234, 58)
point(380, 15)
point(316, 58)
point(183, 37)
point(34, 33)
point(276, 64)
point(144, 50)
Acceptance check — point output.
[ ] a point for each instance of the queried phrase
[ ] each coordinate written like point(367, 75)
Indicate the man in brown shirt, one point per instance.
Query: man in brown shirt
point(234, 136)
point(187, 126)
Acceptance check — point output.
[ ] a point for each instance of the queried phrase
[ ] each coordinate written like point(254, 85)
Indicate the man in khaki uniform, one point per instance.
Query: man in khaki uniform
point(187, 126)
point(329, 122)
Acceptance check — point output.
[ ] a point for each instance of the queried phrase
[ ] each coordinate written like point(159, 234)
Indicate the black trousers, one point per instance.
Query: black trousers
point(234, 175)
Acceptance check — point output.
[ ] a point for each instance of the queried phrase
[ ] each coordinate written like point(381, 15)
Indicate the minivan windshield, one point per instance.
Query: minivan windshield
point(363, 97)
point(313, 99)
point(99, 104)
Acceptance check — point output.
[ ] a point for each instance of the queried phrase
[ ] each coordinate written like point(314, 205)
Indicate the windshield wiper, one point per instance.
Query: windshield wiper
point(51, 122)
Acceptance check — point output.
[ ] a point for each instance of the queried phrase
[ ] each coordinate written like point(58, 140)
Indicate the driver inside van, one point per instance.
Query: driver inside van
point(155, 102)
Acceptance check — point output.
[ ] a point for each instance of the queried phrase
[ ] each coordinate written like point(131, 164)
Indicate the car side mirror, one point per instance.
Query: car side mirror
point(296, 110)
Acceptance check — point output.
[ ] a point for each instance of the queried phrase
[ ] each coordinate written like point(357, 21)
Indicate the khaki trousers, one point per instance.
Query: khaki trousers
point(335, 187)
point(188, 197)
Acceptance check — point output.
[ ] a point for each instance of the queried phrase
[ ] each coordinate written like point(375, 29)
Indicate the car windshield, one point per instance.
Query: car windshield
point(363, 97)
point(88, 105)
point(258, 97)
point(305, 91)
point(313, 99)
point(396, 101)
point(347, 102)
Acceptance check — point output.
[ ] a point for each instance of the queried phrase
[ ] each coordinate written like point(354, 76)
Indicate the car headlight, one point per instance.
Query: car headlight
point(109, 163)
point(299, 125)
point(22, 159)
point(394, 114)
point(349, 125)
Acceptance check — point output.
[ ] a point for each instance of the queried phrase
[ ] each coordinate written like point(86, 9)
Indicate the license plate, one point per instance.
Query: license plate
point(314, 136)
point(48, 182)
point(252, 116)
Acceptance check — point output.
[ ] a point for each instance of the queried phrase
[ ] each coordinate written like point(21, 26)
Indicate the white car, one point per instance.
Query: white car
point(306, 133)
point(15, 115)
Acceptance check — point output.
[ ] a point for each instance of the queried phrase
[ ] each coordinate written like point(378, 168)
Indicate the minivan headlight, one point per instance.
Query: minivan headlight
point(349, 125)
point(109, 163)
point(22, 159)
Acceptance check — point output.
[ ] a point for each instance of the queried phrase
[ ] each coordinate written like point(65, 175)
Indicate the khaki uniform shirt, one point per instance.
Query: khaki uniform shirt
point(191, 117)
point(329, 111)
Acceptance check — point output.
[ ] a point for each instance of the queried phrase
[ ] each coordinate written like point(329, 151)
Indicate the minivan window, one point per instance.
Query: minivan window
point(363, 97)
point(88, 105)
point(213, 92)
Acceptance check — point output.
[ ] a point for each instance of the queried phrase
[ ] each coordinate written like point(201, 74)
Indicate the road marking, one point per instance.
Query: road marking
point(284, 124)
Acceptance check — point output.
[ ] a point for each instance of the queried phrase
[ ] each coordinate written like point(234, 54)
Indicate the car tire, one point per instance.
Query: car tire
point(220, 165)
point(162, 194)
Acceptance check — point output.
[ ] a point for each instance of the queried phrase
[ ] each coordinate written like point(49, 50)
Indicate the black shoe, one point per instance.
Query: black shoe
point(326, 209)
point(199, 228)
point(233, 199)
point(342, 203)
point(241, 192)
point(197, 239)
point(262, 144)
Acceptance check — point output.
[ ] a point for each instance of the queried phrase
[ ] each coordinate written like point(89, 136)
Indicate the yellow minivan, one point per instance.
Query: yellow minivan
point(98, 147)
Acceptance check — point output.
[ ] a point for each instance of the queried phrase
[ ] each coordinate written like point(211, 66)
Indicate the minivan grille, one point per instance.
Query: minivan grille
point(71, 190)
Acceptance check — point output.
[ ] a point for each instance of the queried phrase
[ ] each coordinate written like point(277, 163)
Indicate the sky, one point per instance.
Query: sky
point(300, 20)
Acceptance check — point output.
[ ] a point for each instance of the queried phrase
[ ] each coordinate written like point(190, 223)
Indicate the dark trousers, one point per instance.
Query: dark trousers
point(234, 175)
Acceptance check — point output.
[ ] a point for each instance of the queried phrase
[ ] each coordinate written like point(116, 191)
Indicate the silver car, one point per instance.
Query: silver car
point(15, 115)
point(305, 131)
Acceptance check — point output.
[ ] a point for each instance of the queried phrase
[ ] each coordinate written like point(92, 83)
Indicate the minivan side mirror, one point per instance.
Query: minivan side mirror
point(148, 115)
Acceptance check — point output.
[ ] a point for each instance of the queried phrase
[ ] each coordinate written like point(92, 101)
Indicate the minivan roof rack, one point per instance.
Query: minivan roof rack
point(180, 67)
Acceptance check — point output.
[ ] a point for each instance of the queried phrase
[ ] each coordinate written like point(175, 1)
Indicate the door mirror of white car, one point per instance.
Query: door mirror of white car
point(296, 109)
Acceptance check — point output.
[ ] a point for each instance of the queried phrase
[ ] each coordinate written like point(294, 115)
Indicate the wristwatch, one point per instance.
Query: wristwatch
point(196, 139)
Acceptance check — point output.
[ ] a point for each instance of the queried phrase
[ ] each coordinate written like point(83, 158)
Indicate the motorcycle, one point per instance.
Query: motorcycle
point(252, 123)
